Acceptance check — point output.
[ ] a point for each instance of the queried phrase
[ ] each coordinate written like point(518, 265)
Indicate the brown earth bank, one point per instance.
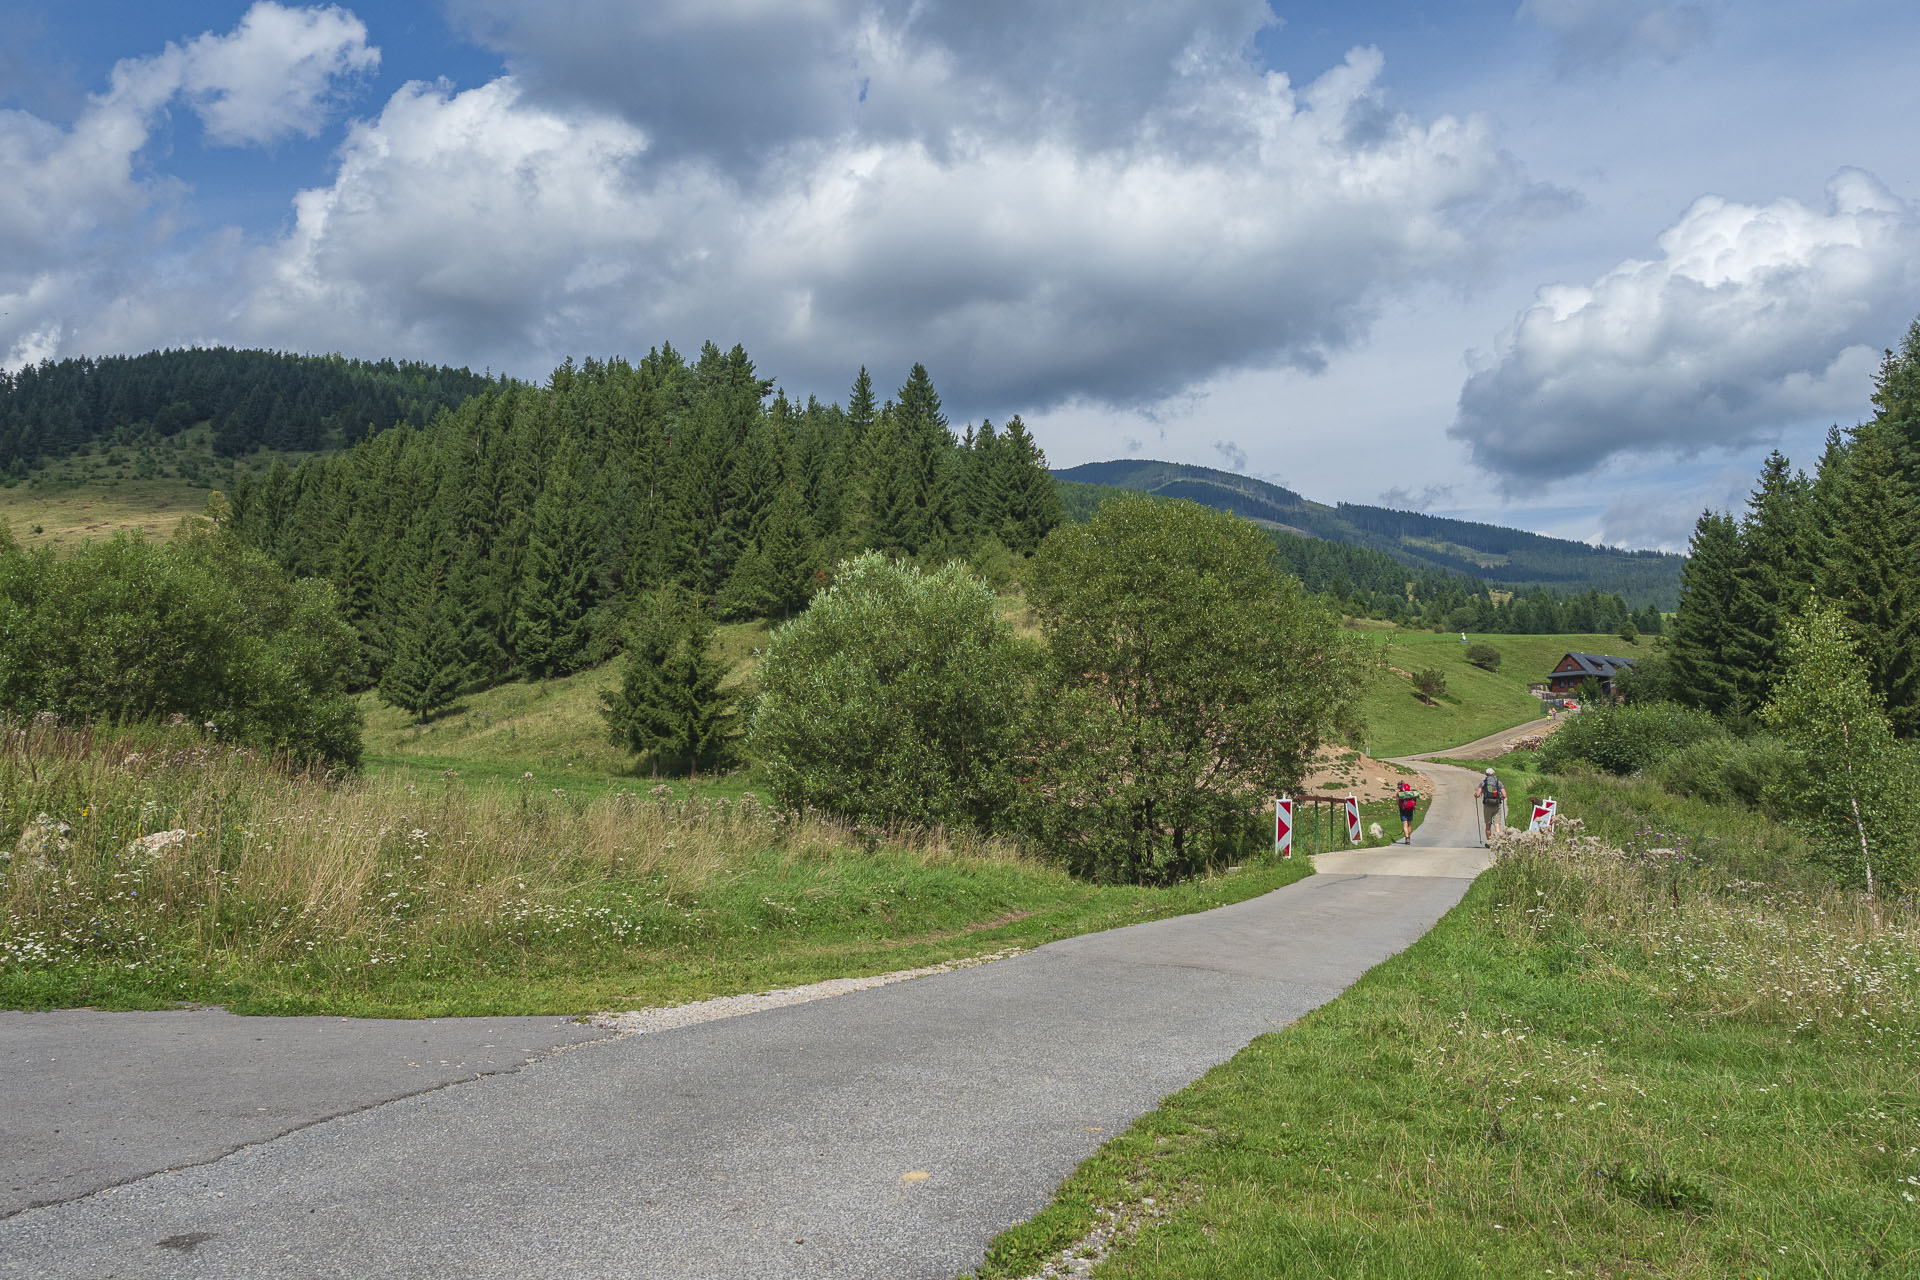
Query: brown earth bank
point(1342, 771)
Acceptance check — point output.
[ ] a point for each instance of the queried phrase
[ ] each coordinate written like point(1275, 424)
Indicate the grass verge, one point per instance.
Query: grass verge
point(147, 869)
point(1605, 1063)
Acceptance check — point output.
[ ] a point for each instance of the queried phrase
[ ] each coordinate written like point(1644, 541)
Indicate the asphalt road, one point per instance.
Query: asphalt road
point(890, 1133)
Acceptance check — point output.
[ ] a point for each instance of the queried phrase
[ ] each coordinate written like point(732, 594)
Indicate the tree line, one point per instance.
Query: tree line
point(1848, 535)
point(529, 530)
point(252, 399)
point(1790, 675)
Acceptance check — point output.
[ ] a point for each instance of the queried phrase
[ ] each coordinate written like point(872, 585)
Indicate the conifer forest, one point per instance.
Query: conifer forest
point(1847, 535)
point(511, 535)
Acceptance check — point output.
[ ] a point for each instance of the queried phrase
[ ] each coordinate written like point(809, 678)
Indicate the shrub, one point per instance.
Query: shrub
point(1484, 656)
point(201, 628)
point(1728, 770)
point(1430, 683)
point(898, 696)
point(1627, 739)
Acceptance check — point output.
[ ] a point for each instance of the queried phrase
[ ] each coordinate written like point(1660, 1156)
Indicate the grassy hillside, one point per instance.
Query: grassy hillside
point(60, 515)
point(1476, 702)
point(150, 486)
point(549, 728)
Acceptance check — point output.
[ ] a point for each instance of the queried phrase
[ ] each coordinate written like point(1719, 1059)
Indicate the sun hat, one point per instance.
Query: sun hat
point(1489, 773)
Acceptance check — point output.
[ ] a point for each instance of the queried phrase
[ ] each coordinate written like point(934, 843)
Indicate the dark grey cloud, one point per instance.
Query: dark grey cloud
point(1425, 498)
point(735, 81)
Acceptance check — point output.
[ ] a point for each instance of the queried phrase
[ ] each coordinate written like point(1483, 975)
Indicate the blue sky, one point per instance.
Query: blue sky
point(1573, 265)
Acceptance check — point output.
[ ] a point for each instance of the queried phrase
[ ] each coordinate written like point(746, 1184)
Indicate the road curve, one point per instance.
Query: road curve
point(891, 1133)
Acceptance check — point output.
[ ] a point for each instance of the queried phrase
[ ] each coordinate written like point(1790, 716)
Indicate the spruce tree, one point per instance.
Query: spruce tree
point(1872, 570)
point(1033, 504)
point(1896, 399)
point(636, 712)
point(986, 484)
point(926, 447)
point(552, 628)
point(1704, 658)
point(1774, 575)
point(892, 514)
point(670, 705)
point(425, 672)
point(701, 713)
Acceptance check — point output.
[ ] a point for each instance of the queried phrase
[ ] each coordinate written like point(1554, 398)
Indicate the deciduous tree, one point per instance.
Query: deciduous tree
point(1190, 680)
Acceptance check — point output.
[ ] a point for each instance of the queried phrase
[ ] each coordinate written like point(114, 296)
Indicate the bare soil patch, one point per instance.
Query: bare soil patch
point(1342, 771)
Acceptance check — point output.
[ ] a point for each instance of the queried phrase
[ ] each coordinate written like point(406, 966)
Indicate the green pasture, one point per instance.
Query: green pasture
point(1476, 702)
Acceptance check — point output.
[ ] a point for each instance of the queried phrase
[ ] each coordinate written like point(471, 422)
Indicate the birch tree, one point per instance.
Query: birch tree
point(1853, 786)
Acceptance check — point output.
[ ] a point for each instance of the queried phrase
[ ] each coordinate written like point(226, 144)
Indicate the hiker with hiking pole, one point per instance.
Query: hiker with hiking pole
point(1492, 797)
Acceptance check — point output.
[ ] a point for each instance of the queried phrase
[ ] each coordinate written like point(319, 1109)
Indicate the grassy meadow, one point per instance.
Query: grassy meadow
point(152, 868)
point(549, 728)
point(1663, 1056)
point(64, 516)
point(1476, 703)
point(112, 487)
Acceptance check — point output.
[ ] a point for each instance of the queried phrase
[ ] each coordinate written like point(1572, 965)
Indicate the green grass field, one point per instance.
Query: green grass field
point(110, 487)
point(1476, 702)
point(1620, 1064)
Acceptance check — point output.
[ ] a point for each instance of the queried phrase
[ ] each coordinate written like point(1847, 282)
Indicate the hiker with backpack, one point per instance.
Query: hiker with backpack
point(1409, 800)
point(1492, 797)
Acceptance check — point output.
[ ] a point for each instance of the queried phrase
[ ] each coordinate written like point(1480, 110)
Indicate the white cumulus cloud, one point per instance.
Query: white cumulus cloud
point(1751, 317)
point(494, 225)
point(81, 218)
point(273, 74)
point(1044, 205)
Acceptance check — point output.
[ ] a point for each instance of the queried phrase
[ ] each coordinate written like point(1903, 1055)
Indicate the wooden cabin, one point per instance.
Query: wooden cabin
point(1575, 667)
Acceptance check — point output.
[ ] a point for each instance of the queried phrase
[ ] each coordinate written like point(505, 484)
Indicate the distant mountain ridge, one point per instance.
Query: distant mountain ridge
point(1498, 556)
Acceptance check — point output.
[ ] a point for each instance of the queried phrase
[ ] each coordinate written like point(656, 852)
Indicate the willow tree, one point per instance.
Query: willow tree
point(1191, 678)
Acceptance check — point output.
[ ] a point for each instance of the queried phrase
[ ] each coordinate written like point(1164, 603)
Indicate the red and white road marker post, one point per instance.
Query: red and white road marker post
point(1543, 811)
point(1353, 819)
point(1283, 826)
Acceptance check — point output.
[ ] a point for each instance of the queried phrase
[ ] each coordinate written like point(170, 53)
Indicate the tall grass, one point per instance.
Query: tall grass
point(168, 856)
point(147, 867)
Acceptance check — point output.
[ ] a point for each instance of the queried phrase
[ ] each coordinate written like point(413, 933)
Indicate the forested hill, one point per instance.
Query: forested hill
point(1510, 558)
point(253, 399)
point(517, 533)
